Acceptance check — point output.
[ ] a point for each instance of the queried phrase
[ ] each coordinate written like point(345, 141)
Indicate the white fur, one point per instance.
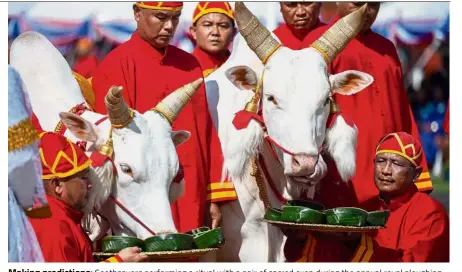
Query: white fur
point(299, 82)
point(147, 194)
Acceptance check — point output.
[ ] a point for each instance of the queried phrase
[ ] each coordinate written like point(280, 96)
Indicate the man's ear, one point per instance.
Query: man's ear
point(418, 171)
point(350, 82)
point(192, 32)
point(179, 137)
point(242, 77)
point(79, 127)
point(136, 12)
point(57, 186)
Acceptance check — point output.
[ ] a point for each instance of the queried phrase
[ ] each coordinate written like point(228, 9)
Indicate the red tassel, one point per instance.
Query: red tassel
point(332, 117)
point(98, 160)
point(242, 119)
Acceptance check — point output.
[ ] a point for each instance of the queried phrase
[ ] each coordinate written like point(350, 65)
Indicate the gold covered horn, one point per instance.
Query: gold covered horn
point(172, 105)
point(255, 34)
point(118, 111)
point(334, 40)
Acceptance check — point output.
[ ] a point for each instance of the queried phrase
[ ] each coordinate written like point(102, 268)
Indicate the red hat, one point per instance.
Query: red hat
point(402, 144)
point(60, 157)
point(170, 6)
point(203, 8)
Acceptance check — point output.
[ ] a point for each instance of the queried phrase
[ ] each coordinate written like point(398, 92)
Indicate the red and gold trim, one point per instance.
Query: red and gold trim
point(424, 182)
point(402, 144)
point(204, 8)
point(168, 6)
point(207, 72)
point(221, 191)
point(60, 157)
point(115, 259)
point(308, 250)
point(364, 251)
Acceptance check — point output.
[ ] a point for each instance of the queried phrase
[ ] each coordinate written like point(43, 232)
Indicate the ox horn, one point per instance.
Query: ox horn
point(334, 40)
point(172, 105)
point(118, 111)
point(255, 34)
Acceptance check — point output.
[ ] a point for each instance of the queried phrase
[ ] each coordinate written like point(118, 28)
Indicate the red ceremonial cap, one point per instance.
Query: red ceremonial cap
point(60, 157)
point(169, 6)
point(203, 8)
point(402, 144)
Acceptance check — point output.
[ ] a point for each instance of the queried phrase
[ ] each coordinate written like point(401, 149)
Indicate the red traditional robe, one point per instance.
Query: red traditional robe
point(381, 108)
point(417, 231)
point(61, 236)
point(86, 66)
point(147, 77)
point(216, 191)
point(292, 39)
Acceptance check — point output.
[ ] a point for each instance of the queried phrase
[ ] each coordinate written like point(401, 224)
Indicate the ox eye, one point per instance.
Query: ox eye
point(126, 169)
point(272, 99)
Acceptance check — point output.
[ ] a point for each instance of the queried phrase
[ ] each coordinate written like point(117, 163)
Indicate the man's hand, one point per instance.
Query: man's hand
point(215, 215)
point(132, 255)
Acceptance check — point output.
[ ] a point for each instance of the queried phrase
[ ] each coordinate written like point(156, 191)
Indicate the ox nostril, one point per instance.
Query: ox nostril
point(305, 163)
point(295, 162)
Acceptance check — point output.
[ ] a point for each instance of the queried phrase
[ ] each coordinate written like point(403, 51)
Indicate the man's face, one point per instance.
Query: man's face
point(213, 33)
point(300, 15)
point(75, 190)
point(157, 27)
point(345, 8)
point(394, 174)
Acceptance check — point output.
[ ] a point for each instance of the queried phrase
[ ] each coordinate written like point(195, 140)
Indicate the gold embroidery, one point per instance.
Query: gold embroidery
point(21, 135)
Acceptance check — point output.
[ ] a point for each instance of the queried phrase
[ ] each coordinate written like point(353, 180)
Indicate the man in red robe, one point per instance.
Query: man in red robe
point(300, 19)
point(213, 31)
point(64, 172)
point(149, 69)
point(381, 108)
point(85, 60)
point(417, 229)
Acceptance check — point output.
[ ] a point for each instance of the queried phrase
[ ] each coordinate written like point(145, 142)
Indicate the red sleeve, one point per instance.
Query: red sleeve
point(217, 191)
point(427, 240)
point(114, 71)
point(369, 250)
point(59, 247)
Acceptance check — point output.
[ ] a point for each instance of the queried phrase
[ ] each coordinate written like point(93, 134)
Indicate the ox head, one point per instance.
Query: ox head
point(142, 145)
point(144, 155)
point(296, 92)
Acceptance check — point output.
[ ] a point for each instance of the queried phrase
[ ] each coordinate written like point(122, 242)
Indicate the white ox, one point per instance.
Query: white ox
point(145, 158)
point(296, 99)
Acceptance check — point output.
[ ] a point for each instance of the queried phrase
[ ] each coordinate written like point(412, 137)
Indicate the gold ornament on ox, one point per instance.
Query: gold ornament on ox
point(86, 89)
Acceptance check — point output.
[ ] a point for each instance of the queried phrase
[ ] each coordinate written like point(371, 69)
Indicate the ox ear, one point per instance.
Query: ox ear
point(180, 136)
point(242, 77)
point(350, 82)
point(80, 127)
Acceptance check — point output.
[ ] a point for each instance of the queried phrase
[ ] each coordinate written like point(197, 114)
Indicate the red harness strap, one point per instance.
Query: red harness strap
point(275, 191)
point(127, 211)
